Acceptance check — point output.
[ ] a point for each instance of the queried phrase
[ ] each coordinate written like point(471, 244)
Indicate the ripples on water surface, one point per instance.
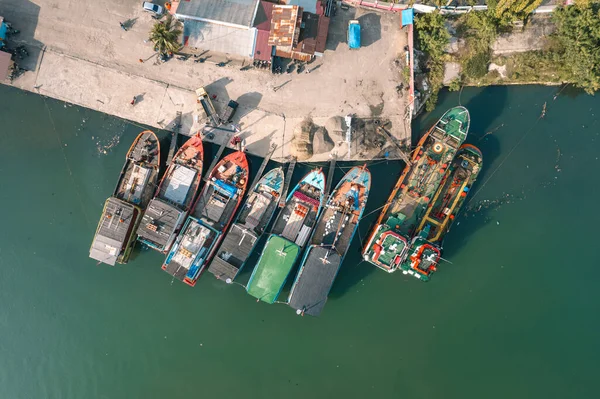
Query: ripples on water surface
point(514, 315)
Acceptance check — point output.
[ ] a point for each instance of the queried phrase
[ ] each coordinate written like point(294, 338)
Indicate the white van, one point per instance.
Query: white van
point(152, 8)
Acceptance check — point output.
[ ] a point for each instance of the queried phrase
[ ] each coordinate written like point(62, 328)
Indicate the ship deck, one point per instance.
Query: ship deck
point(451, 194)
point(137, 181)
point(187, 257)
point(254, 217)
point(159, 223)
point(315, 280)
point(258, 211)
point(137, 184)
point(180, 185)
point(420, 184)
point(297, 218)
point(215, 208)
point(453, 126)
point(233, 252)
point(275, 264)
point(113, 234)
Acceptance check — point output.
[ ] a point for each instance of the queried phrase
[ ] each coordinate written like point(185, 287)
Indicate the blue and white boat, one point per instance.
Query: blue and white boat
point(256, 214)
point(330, 242)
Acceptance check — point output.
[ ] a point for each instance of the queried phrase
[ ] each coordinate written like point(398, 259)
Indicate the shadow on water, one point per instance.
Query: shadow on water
point(482, 134)
point(474, 215)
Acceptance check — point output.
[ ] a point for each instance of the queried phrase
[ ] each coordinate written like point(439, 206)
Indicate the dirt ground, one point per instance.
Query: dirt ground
point(79, 53)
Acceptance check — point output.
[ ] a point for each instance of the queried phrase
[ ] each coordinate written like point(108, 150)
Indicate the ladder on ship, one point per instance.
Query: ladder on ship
point(263, 165)
point(286, 184)
point(216, 158)
point(329, 181)
point(174, 135)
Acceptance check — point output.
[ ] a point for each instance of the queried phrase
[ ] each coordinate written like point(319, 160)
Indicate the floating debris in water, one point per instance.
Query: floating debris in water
point(104, 148)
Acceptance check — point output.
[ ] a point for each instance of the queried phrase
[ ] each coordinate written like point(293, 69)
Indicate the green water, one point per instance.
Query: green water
point(516, 314)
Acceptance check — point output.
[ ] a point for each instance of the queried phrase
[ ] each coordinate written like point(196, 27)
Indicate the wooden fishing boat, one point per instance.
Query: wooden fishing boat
point(426, 247)
point(387, 245)
point(210, 217)
point(249, 226)
point(173, 198)
point(115, 235)
point(330, 242)
point(289, 236)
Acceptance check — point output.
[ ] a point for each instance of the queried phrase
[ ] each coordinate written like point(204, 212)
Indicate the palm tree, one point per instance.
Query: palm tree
point(165, 36)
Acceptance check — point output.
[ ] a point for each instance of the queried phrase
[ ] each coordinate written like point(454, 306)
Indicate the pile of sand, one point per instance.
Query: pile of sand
point(301, 146)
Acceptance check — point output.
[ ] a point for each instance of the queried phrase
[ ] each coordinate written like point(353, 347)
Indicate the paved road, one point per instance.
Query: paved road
point(83, 56)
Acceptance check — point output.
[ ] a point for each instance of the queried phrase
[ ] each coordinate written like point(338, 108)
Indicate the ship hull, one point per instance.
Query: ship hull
point(211, 216)
point(290, 234)
point(174, 197)
point(113, 242)
point(245, 233)
point(331, 240)
point(414, 189)
point(426, 249)
point(115, 235)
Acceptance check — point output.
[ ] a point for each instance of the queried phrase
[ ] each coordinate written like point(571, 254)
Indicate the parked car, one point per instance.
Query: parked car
point(152, 8)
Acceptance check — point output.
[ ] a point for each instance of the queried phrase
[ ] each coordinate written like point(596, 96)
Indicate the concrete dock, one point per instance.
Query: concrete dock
point(80, 54)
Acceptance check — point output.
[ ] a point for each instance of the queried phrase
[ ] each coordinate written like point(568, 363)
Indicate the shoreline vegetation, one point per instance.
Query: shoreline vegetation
point(569, 55)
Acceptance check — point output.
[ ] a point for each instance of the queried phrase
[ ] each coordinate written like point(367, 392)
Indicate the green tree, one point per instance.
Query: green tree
point(578, 32)
point(516, 9)
point(479, 29)
point(432, 39)
point(165, 36)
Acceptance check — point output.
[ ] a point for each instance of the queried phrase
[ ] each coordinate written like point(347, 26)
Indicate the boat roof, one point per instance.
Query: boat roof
point(179, 184)
point(274, 265)
point(455, 123)
point(314, 280)
point(112, 233)
point(236, 247)
point(162, 215)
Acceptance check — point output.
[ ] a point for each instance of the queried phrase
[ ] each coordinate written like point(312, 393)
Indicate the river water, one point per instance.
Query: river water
point(514, 313)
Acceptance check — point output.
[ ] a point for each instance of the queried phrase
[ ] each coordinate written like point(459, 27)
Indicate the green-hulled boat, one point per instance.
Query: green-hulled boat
point(388, 243)
point(425, 251)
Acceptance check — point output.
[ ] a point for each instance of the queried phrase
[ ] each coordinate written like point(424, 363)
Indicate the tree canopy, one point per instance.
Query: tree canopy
point(432, 39)
point(165, 36)
point(578, 33)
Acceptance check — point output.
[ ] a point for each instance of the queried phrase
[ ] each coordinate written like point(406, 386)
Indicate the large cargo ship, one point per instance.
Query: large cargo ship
point(210, 217)
point(290, 234)
point(425, 251)
point(245, 232)
point(330, 242)
point(388, 243)
point(173, 198)
point(115, 235)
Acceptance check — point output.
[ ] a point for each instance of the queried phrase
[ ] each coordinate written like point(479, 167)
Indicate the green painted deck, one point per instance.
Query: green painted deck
point(391, 247)
point(455, 122)
point(272, 269)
